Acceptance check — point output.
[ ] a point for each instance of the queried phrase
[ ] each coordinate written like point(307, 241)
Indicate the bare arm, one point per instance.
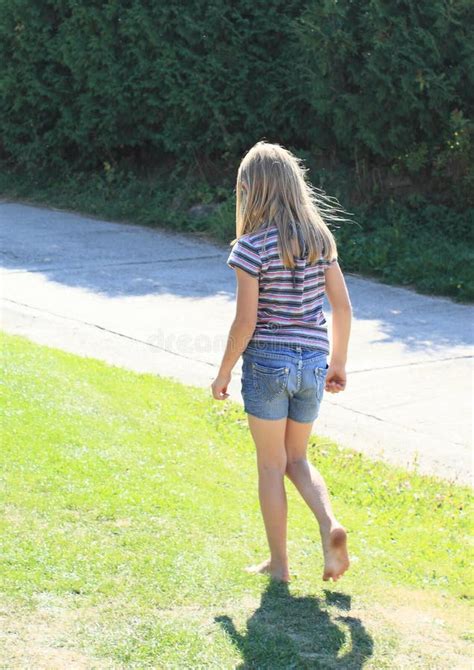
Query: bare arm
point(241, 330)
point(338, 296)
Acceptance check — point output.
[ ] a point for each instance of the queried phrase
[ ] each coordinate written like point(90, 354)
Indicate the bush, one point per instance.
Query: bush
point(384, 87)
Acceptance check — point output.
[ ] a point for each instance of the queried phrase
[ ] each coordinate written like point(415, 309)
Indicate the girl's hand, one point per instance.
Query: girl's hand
point(336, 378)
point(219, 386)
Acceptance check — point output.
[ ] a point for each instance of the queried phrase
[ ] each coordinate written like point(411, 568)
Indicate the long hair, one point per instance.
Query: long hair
point(272, 188)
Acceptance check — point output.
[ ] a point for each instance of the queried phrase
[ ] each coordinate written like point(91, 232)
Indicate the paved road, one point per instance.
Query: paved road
point(157, 301)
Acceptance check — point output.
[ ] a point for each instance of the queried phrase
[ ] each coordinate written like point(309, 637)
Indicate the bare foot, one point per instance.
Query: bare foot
point(336, 558)
point(280, 574)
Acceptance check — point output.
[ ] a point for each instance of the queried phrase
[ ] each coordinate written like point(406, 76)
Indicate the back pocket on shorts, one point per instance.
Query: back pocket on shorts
point(320, 375)
point(268, 382)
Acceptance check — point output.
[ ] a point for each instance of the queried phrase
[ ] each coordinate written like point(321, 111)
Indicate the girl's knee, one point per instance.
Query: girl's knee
point(269, 467)
point(294, 463)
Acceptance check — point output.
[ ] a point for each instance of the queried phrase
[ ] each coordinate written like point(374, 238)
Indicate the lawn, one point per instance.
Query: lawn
point(129, 508)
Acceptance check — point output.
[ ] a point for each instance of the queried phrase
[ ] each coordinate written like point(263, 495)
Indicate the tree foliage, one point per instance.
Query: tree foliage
point(385, 83)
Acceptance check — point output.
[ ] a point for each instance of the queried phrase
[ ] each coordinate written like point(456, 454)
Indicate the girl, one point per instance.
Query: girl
point(285, 259)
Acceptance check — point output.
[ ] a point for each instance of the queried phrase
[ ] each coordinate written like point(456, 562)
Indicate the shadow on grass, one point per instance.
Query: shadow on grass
point(296, 632)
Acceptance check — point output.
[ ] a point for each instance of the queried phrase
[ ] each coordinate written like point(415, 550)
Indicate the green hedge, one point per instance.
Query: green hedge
point(386, 87)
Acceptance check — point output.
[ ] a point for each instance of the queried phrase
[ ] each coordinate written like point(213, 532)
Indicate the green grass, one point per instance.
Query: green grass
point(130, 507)
point(418, 244)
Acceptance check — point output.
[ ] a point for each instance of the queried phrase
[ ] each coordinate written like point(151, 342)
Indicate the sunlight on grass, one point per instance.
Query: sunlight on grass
point(132, 500)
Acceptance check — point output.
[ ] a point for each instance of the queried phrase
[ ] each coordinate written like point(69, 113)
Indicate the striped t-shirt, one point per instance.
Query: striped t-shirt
point(289, 302)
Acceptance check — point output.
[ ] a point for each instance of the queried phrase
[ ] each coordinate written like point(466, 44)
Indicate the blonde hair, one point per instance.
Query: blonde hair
point(277, 192)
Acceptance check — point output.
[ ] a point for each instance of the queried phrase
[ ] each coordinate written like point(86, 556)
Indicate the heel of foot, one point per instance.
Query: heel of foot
point(338, 537)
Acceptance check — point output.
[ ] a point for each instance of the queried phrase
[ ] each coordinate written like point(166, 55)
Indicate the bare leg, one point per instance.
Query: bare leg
point(311, 485)
point(271, 462)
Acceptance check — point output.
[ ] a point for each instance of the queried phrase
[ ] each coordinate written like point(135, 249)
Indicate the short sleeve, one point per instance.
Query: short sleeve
point(245, 256)
point(327, 264)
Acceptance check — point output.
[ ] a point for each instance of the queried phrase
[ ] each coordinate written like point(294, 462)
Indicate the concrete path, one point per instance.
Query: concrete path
point(162, 302)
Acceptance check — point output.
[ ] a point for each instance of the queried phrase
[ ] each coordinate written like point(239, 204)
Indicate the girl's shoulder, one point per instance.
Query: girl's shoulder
point(258, 237)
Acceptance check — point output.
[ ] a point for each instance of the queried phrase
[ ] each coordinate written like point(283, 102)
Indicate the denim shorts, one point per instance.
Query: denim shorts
point(281, 380)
